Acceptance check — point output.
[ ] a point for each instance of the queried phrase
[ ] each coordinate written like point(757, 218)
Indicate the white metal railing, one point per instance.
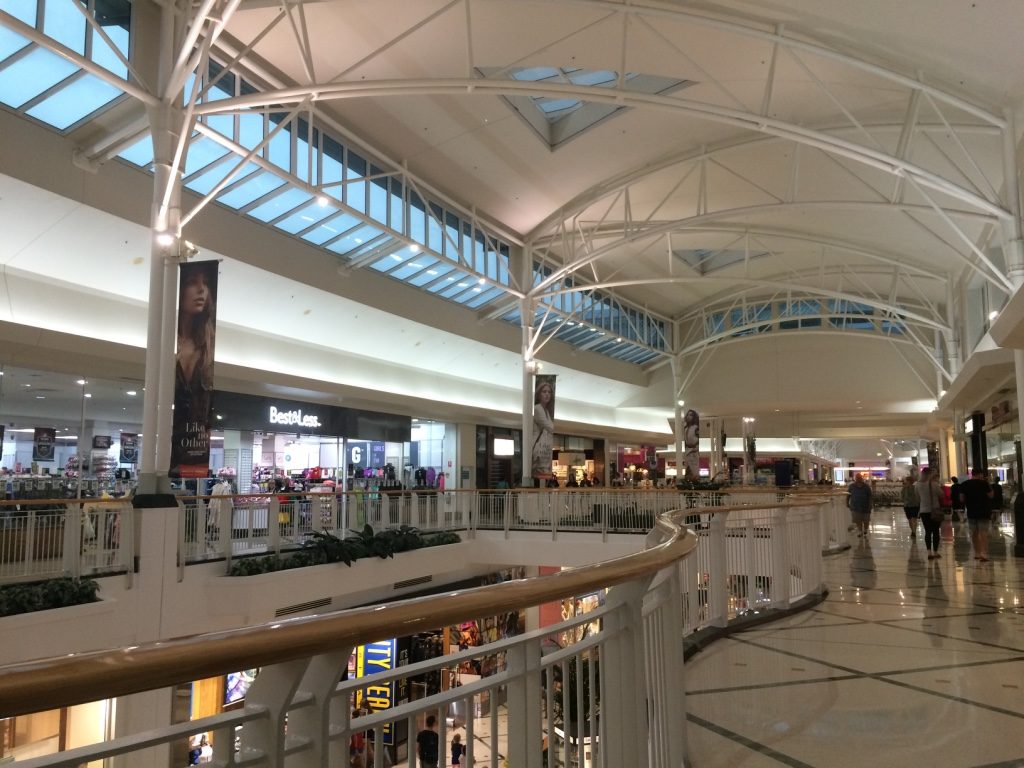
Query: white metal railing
point(620, 665)
point(42, 539)
point(46, 539)
point(52, 538)
point(608, 697)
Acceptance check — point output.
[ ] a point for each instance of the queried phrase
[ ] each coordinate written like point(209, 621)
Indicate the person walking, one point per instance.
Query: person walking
point(955, 500)
point(976, 496)
point(997, 500)
point(427, 743)
point(930, 510)
point(911, 503)
point(858, 499)
point(458, 750)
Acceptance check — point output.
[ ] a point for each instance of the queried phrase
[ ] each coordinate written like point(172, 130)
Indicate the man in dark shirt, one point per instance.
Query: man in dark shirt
point(427, 743)
point(976, 495)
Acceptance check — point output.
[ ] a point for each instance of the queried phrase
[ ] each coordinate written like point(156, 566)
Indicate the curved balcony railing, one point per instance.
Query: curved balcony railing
point(620, 671)
point(619, 667)
point(42, 539)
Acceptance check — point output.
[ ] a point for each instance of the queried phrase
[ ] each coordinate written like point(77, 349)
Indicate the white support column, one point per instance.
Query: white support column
point(1014, 245)
point(165, 125)
point(529, 368)
point(677, 405)
point(944, 467)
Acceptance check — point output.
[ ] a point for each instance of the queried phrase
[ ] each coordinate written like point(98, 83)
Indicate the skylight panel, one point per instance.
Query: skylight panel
point(75, 101)
point(10, 43)
point(305, 218)
point(31, 75)
point(251, 189)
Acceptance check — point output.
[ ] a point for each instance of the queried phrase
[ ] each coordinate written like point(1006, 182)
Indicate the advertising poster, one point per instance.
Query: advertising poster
point(101, 442)
point(543, 426)
point(44, 444)
point(371, 658)
point(691, 444)
point(193, 372)
point(129, 448)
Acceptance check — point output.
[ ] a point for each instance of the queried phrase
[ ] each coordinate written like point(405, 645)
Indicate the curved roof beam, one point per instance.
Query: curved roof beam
point(778, 286)
point(637, 233)
point(622, 181)
point(469, 86)
point(711, 343)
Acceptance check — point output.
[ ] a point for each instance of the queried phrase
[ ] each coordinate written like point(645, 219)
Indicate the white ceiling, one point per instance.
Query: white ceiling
point(826, 222)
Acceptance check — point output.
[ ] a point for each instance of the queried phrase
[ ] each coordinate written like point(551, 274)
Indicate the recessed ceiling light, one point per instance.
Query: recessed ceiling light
point(26, 385)
point(87, 394)
point(322, 201)
point(414, 248)
point(131, 393)
point(81, 382)
point(164, 238)
point(40, 397)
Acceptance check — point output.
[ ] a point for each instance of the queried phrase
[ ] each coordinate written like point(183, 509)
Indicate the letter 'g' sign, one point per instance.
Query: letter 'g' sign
point(357, 455)
point(294, 418)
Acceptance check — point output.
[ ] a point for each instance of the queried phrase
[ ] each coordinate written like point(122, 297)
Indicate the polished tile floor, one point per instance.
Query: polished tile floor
point(908, 662)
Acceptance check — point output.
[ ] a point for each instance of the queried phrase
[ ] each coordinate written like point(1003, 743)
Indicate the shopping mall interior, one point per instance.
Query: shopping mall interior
point(801, 221)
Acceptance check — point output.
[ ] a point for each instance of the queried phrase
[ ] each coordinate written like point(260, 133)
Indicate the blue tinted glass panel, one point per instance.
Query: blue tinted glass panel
point(355, 194)
point(302, 159)
point(392, 260)
point(222, 124)
point(140, 153)
point(32, 74)
point(205, 182)
point(814, 322)
point(23, 10)
point(75, 101)
point(253, 188)
point(417, 220)
point(280, 204)
point(330, 173)
point(484, 297)
point(354, 240)
point(250, 130)
point(279, 151)
point(435, 272)
point(535, 73)
point(451, 283)
point(331, 229)
point(65, 24)
point(10, 43)
point(414, 266)
point(378, 202)
point(104, 55)
point(305, 218)
point(201, 153)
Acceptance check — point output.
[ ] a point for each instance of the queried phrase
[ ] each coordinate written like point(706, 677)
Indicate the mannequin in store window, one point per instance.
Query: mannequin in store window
point(194, 360)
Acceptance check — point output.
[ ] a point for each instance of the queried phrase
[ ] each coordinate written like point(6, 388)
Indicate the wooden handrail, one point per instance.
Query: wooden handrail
point(79, 678)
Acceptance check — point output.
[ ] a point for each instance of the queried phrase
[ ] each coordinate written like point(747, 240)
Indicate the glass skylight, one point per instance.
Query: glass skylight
point(558, 118)
point(48, 87)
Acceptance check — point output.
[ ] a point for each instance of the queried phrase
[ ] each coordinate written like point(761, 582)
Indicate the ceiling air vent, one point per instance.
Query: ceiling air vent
point(300, 607)
point(413, 582)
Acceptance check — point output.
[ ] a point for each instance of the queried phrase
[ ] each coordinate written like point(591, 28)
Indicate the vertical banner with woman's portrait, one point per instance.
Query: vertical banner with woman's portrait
point(543, 426)
point(193, 370)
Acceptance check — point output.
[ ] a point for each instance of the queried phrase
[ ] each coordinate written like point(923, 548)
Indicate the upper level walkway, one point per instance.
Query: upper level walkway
point(908, 662)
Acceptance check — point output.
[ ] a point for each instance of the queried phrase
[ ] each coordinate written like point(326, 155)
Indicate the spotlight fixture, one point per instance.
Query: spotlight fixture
point(165, 239)
point(322, 201)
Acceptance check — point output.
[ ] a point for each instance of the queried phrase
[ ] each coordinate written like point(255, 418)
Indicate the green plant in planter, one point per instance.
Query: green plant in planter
point(323, 547)
point(44, 595)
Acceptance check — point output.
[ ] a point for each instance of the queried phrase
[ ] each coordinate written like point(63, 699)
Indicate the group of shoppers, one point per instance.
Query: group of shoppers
point(928, 501)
